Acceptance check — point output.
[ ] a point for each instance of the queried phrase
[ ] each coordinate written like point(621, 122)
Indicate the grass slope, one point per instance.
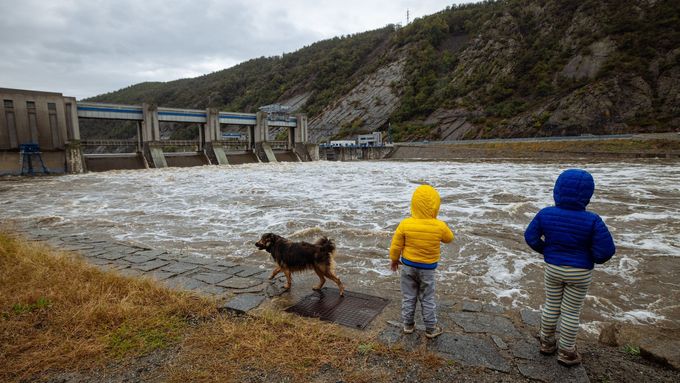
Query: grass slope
point(60, 315)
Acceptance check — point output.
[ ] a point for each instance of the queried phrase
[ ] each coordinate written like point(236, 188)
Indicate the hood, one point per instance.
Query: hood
point(425, 202)
point(573, 189)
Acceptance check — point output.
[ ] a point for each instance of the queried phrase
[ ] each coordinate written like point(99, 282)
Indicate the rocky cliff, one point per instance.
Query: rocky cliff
point(514, 68)
point(536, 68)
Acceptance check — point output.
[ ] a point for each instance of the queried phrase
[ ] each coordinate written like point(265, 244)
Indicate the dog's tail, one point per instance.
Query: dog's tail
point(327, 246)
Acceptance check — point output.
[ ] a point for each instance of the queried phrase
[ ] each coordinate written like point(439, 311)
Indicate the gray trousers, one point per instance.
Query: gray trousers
point(418, 284)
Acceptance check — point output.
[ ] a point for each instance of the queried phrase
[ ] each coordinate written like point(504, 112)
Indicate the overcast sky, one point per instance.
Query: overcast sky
point(83, 48)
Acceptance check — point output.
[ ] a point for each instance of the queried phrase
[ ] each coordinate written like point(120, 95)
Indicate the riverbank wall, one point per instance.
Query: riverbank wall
point(355, 153)
point(639, 146)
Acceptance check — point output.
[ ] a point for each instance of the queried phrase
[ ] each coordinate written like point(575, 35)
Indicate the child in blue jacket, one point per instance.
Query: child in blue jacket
point(571, 240)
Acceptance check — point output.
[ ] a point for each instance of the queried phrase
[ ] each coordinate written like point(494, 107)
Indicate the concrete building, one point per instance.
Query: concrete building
point(373, 139)
point(44, 118)
point(342, 143)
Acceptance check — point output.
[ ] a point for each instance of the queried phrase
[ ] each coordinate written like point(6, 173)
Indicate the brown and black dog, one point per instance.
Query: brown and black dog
point(298, 256)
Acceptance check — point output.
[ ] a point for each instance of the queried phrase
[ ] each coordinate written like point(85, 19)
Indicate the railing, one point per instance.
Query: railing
point(380, 145)
point(233, 145)
point(193, 145)
point(278, 145)
point(178, 142)
point(171, 146)
point(112, 142)
point(109, 142)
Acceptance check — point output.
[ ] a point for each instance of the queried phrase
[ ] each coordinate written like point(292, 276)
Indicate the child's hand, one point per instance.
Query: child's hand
point(394, 265)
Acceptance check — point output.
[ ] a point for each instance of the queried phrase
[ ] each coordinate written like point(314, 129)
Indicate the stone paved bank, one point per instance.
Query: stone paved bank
point(242, 287)
point(479, 335)
point(483, 335)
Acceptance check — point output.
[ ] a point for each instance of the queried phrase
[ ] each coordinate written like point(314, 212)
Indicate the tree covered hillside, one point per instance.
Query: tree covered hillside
point(512, 68)
point(322, 69)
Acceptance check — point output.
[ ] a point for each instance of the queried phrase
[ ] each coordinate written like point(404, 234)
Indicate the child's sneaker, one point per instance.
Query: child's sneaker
point(409, 328)
point(568, 357)
point(433, 332)
point(548, 345)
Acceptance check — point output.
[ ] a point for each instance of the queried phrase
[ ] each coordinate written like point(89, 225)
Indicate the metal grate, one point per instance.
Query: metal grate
point(354, 310)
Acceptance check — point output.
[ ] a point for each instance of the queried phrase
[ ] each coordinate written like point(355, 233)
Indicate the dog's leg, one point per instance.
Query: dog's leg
point(322, 279)
point(276, 271)
point(289, 279)
point(337, 281)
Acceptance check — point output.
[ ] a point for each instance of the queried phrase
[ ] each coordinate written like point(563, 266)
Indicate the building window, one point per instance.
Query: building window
point(9, 104)
point(51, 106)
point(30, 104)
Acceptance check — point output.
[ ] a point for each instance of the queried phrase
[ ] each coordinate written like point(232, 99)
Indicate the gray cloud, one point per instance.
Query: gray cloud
point(87, 47)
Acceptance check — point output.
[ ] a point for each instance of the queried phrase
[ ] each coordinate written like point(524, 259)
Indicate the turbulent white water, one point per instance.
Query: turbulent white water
point(222, 211)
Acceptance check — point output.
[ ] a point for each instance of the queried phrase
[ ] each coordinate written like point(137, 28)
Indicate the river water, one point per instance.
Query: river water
point(220, 211)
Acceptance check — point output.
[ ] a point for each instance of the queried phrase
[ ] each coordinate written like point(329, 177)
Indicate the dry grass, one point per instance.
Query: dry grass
point(269, 344)
point(280, 347)
point(58, 313)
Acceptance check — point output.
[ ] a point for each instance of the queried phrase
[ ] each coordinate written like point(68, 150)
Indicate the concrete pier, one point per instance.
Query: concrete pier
point(264, 152)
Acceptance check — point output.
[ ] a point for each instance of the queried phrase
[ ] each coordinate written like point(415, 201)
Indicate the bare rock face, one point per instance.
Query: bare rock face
point(583, 98)
point(451, 124)
point(582, 25)
point(668, 83)
point(494, 52)
point(601, 107)
point(587, 66)
point(297, 101)
point(368, 105)
point(635, 98)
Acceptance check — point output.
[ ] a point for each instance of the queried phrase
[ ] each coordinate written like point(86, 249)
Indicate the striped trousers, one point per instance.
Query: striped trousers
point(565, 292)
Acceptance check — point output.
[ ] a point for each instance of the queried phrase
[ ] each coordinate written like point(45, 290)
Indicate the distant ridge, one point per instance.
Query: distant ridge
point(493, 69)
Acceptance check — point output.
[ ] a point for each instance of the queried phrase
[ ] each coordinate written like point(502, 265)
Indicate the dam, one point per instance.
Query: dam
point(43, 127)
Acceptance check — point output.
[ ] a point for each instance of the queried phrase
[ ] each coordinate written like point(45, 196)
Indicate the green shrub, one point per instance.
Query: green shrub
point(631, 350)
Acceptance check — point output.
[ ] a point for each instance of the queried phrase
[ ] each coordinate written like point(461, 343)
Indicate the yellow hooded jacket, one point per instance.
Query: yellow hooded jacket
point(418, 237)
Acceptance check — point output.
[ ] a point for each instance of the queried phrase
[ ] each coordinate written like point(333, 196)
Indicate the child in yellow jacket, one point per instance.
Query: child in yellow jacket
point(415, 245)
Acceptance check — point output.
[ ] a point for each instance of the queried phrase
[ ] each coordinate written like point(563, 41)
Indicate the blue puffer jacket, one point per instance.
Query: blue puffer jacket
point(571, 235)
